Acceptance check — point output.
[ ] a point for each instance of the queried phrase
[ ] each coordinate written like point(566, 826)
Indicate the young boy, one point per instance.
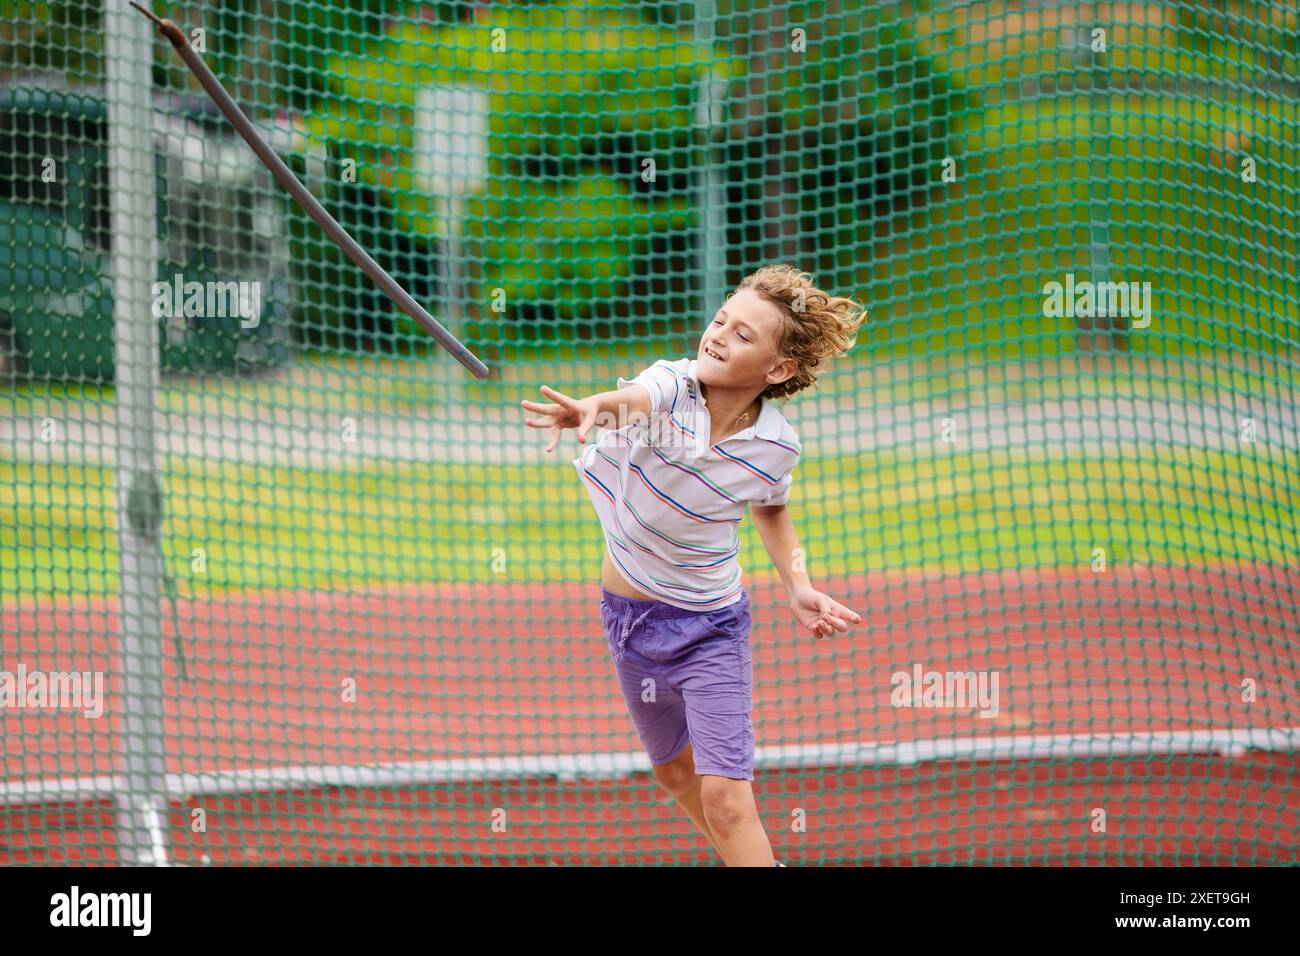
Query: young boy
point(694, 442)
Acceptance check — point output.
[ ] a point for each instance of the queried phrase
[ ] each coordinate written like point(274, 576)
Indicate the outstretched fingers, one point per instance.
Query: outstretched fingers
point(548, 408)
point(552, 413)
point(585, 426)
point(564, 412)
point(560, 398)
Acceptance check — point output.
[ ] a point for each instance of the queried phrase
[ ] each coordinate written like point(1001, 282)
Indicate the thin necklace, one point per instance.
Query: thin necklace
point(736, 418)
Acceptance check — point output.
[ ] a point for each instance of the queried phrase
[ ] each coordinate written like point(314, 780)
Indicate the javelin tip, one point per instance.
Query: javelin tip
point(148, 13)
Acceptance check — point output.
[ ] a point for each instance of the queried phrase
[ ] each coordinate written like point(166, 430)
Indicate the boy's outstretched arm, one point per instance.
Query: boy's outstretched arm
point(816, 611)
point(603, 410)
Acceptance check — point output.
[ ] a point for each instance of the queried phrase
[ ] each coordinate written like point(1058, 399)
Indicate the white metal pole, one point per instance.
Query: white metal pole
point(141, 808)
point(712, 191)
point(451, 125)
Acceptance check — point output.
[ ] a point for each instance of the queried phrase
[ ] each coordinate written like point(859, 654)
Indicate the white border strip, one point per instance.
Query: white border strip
point(1232, 743)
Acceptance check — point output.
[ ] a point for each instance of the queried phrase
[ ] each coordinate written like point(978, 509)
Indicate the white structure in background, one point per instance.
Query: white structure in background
point(710, 102)
point(451, 154)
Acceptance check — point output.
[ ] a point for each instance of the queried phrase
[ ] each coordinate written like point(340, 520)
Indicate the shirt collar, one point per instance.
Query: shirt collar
point(769, 416)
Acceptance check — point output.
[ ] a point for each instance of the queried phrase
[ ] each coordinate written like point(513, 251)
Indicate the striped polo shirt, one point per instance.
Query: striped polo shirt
point(671, 504)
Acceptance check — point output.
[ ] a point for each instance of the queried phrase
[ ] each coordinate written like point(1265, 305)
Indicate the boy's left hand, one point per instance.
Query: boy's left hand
point(821, 613)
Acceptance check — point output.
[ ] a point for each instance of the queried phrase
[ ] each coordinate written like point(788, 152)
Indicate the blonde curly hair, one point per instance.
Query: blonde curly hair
point(815, 326)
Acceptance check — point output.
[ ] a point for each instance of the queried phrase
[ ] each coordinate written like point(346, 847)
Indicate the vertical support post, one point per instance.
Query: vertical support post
point(712, 196)
point(450, 139)
point(140, 800)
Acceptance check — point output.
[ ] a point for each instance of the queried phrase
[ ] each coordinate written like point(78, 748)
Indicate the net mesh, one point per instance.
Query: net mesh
point(282, 583)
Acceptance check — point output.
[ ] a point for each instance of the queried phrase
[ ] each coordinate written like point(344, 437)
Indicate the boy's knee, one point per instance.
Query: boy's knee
point(678, 774)
point(726, 802)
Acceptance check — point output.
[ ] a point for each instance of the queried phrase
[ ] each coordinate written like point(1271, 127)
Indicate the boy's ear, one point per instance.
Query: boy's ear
point(783, 370)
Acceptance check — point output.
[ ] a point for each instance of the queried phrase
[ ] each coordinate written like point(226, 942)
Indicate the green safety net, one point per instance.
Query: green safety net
point(281, 582)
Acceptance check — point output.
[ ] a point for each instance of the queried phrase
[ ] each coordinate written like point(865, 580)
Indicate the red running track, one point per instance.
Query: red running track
point(465, 671)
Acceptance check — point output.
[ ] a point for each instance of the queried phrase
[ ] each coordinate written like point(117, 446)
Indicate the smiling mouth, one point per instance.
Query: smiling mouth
point(713, 354)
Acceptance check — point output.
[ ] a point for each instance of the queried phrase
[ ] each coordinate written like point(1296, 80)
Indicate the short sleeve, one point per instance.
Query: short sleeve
point(779, 493)
point(661, 381)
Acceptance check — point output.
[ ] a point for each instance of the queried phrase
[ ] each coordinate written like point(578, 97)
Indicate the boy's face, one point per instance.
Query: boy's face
point(738, 348)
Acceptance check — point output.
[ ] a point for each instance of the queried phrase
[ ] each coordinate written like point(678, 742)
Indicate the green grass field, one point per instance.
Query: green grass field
point(412, 385)
point(270, 527)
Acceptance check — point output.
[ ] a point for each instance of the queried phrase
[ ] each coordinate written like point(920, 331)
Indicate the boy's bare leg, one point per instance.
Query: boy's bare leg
point(679, 778)
point(732, 816)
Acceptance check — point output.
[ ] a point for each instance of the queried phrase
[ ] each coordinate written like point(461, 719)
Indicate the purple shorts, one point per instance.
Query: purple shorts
point(687, 677)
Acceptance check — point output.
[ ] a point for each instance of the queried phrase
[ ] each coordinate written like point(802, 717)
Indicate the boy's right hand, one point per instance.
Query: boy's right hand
point(564, 412)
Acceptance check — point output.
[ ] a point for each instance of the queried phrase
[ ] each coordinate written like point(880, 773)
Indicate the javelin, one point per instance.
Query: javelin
point(285, 177)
